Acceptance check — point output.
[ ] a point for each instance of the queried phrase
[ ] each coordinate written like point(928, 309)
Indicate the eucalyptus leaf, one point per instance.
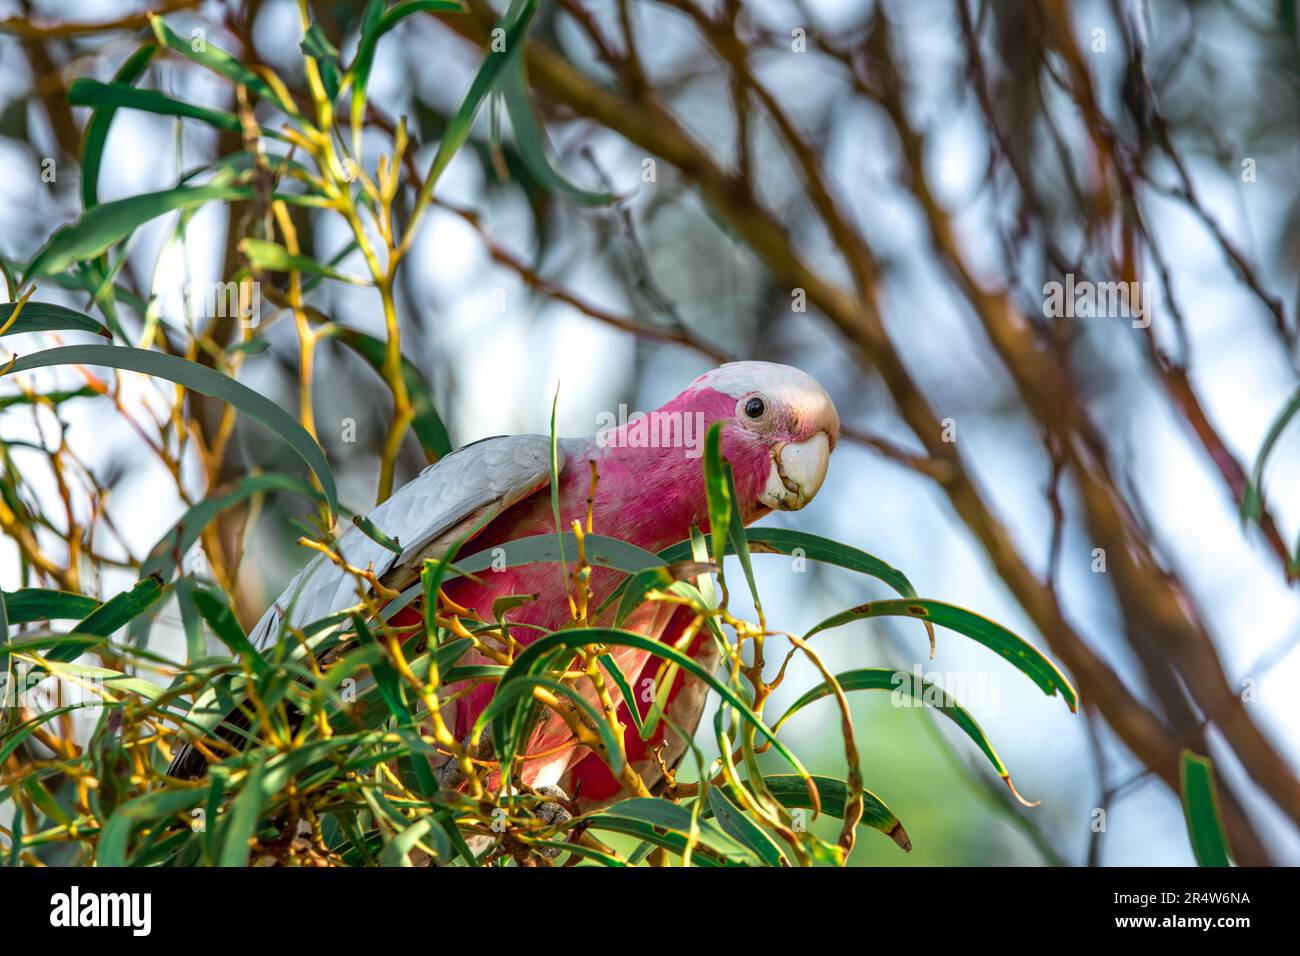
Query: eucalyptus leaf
point(47, 317)
point(200, 379)
point(101, 118)
point(1022, 655)
point(206, 53)
point(43, 604)
point(118, 95)
point(1202, 811)
point(102, 226)
point(924, 692)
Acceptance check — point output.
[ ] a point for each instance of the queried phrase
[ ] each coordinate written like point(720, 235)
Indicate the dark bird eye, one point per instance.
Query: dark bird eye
point(755, 407)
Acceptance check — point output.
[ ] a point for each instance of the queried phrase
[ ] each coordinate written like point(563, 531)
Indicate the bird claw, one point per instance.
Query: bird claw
point(553, 813)
point(449, 775)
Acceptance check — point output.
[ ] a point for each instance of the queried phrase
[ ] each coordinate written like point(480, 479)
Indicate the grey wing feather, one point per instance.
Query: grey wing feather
point(425, 516)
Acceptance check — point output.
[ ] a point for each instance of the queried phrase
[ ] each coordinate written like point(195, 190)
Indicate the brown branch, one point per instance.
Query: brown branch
point(26, 27)
point(1155, 604)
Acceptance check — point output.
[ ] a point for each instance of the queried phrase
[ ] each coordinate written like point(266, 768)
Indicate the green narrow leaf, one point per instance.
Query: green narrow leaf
point(601, 552)
point(400, 11)
point(44, 800)
point(1201, 808)
point(927, 694)
point(620, 681)
point(672, 841)
point(393, 692)
point(737, 825)
point(84, 282)
point(665, 678)
point(386, 677)
point(719, 495)
point(200, 379)
point(792, 794)
point(115, 838)
point(190, 621)
point(395, 852)
point(14, 737)
point(57, 397)
point(358, 72)
point(515, 23)
point(16, 841)
point(375, 22)
point(111, 679)
point(46, 317)
point(266, 256)
point(217, 612)
point(96, 134)
point(676, 820)
point(347, 823)
point(534, 146)
point(555, 490)
point(725, 737)
point(654, 579)
point(1252, 500)
point(43, 604)
point(376, 534)
point(114, 613)
point(119, 610)
point(812, 547)
point(206, 53)
point(316, 45)
point(1252, 496)
point(430, 581)
point(211, 814)
point(103, 225)
point(736, 540)
point(254, 346)
point(244, 814)
point(1024, 656)
point(86, 92)
point(577, 849)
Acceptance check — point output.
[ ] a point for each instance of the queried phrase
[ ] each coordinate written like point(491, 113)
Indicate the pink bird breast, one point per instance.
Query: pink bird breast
point(650, 492)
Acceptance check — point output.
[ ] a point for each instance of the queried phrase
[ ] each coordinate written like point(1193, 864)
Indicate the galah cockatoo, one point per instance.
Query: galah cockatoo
point(779, 428)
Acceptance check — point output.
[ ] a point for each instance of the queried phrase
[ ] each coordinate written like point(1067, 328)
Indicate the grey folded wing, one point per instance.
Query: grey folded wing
point(458, 494)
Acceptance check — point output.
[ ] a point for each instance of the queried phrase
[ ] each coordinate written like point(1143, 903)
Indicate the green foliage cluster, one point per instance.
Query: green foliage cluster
point(335, 722)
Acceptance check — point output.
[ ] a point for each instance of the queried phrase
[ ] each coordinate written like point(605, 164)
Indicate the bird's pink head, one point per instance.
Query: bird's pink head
point(778, 430)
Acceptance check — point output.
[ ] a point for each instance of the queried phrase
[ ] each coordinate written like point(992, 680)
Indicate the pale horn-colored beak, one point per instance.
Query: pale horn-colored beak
point(798, 470)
